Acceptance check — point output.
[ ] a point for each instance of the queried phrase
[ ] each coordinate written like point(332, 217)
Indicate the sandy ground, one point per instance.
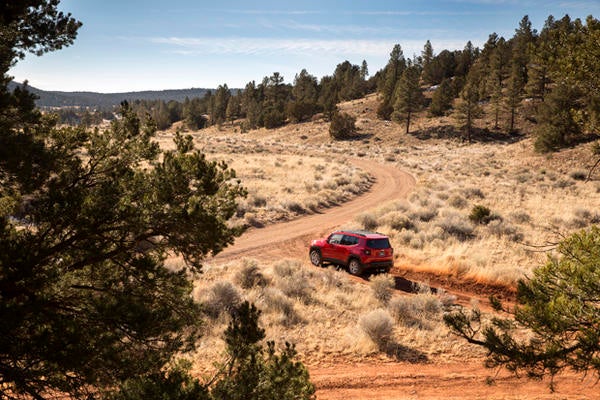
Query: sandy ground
point(397, 380)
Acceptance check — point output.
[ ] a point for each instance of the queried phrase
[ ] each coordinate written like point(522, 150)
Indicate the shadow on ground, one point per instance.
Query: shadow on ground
point(477, 135)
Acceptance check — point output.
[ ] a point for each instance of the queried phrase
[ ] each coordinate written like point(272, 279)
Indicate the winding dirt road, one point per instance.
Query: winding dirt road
point(291, 239)
point(401, 380)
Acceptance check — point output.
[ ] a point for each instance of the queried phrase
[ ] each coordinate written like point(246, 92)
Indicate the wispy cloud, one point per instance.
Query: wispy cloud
point(306, 47)
point(271, 12)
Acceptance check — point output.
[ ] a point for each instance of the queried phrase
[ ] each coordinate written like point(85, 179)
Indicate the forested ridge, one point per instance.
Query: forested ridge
point(550, 78)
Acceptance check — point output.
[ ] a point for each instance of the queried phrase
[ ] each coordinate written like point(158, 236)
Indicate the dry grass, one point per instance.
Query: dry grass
point(289, 171)
point(328, 315)
point(283, 186)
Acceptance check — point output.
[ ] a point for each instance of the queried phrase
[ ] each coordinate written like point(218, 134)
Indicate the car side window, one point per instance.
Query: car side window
point(336, 238)
point(349, 240)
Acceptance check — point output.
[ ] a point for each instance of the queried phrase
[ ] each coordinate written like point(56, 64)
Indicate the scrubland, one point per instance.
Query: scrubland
point(486, 212)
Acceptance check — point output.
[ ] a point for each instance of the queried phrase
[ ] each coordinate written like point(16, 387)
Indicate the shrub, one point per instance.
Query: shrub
point(273, 118)
point(457, 227)
point(457, 201)
point(276, 300)
point(397, 221)
point(378, 325)
point(423, 214)
point(520, 217)
point(249, 275)
point(500, 228)
point(416, 311)
point(382, 287)
point(578, 175)
point(342, 126)
point(296, 286)
point(481, 215)
point(286, 267)
point(258, 201)
point(222, 297)
point(367, 221)
point(472, 192)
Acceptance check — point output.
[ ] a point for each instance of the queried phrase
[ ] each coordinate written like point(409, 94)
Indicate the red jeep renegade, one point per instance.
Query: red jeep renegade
point(358, 251)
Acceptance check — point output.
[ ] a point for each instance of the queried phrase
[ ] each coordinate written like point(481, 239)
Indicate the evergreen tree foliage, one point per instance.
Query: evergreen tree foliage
point(468, 108)
point(305, 94)
point(496, 77)
point(364, 70)
point(559, 309)
point(250, 372)
point(409, 95)
point(328, 96)
point(465, 59)
point(557, 119)
point(253, 373)
point(387, 86)
point(427, 57)
point(441, 100)
point(87, 218)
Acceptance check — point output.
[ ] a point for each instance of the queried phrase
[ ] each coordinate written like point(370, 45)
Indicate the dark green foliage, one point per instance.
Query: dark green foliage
point(408, 97)
point(468, 108)
point(557, 125)
point(87, 289)
point(174, 384)
point(481, 215)
point(441, 100)
point(427, 57)
point(253, 372)
point(342, 126)
point(305, 93)
point(348, 81)
point(558, 306)
point(388, 81)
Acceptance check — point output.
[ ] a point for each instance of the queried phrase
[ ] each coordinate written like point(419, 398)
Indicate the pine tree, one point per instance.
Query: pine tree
point(387, 86)
point(441, 100)
point(468, 109)
point(364, 70)
point(557, 307)
point(428, 57)
point(87, 218)
point(408, 96)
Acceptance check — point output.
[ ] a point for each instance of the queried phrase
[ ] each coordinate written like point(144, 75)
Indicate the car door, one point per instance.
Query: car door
point(331, 250)
point(345, 249)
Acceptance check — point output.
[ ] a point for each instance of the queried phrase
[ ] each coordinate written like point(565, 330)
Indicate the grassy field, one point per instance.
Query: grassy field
point(530, 202)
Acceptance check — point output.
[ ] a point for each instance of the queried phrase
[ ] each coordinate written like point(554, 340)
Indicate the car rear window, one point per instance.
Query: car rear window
point(378, 243)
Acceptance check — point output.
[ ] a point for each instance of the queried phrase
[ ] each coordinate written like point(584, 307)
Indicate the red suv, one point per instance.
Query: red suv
point(358, 251)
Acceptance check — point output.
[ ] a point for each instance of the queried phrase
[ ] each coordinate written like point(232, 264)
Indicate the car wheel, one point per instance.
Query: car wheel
point(315, 257)
point(354, 267)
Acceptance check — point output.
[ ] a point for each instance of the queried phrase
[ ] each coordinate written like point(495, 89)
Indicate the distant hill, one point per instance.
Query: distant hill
point(107, 100)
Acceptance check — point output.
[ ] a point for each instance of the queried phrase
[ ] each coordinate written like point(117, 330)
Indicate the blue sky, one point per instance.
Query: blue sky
point(131, 45)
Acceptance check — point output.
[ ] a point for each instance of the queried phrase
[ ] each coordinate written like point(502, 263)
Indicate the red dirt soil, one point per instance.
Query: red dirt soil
point(399, 380)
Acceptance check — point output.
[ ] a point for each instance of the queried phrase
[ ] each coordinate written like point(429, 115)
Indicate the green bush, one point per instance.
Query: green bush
point(342, 126)
point(482, 215)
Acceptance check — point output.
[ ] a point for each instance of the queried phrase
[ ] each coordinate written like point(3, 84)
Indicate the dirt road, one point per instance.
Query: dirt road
point(291, 239)
point(394, 380)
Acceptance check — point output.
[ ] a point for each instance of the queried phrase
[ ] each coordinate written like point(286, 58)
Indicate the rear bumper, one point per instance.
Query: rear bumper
point(379, 265)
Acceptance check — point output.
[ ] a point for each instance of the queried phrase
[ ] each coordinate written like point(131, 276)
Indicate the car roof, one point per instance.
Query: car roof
point(363, 233)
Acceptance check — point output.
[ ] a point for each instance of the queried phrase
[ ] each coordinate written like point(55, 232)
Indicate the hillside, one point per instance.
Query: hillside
point(538, 199)
point(107, 100)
